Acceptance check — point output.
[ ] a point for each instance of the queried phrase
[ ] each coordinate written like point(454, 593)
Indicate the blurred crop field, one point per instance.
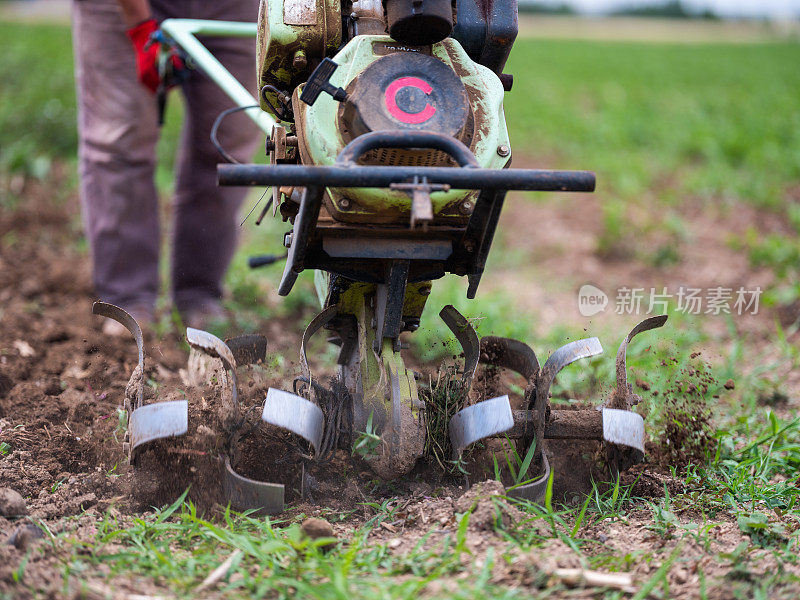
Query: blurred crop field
point(696, 146)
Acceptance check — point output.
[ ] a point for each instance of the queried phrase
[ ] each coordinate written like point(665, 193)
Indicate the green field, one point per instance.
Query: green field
point(696, 146)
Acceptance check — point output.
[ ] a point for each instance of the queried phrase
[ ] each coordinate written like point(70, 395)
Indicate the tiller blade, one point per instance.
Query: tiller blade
point(614, 423)
point(146, 423)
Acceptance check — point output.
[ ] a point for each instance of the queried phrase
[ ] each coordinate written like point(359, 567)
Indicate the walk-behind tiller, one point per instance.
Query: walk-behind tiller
point(391, 158)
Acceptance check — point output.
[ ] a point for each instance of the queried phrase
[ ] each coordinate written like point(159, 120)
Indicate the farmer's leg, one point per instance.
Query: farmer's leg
point(206, 227)
point(117, 137)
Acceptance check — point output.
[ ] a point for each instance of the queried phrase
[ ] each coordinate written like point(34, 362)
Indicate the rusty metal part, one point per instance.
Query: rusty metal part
point(295, 414)
point(111, 311)
point(484, 419)
point(466, 336)
point(248, 494)
point(248, 349)
point(624, 397)
point(586, 424)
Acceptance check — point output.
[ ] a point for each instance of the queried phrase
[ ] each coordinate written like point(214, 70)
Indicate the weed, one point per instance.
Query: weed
point(443, 400)
point(366, 442)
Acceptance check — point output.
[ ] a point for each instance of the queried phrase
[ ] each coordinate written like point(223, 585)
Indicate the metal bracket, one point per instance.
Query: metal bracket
point(420, 192)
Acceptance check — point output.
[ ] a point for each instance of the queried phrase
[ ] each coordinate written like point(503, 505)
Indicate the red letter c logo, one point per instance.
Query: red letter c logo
point(398, 113)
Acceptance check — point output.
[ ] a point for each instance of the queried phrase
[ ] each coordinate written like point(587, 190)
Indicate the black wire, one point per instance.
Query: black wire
point(283, 115)
point(215, 128)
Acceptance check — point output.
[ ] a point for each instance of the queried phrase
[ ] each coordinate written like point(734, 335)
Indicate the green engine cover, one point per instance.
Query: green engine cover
point(292, 36)
point(322, 132)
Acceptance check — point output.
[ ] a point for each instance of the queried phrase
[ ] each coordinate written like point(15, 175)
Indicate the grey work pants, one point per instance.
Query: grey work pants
point(118, 133)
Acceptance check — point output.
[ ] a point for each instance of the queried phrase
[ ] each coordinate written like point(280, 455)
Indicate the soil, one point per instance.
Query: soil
point(62, 389)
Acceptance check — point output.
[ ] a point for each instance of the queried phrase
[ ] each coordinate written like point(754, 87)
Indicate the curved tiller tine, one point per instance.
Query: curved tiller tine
point(120, 315)
point(509, 354)
point(213, 346)
point(623, 397)
point(317, 323)
point(565, 355)
point(484, 419)
point(248, 494)
point(154, 421)
point(248, 349)
point(466, 336)
point(296, 414)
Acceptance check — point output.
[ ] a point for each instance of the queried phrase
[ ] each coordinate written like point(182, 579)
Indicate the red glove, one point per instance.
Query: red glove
point(146, 56)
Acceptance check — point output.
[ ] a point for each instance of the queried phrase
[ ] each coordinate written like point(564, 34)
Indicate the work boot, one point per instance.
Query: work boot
point(144, 315)
point(203, 315)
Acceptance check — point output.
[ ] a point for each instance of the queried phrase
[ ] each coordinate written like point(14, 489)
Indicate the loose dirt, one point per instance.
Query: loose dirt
point(62, 385)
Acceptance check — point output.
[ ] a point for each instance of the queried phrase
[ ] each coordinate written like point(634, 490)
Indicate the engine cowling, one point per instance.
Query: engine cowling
point(392, 86)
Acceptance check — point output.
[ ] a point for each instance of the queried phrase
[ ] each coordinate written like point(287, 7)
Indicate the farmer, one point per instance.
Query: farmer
point(117, 77)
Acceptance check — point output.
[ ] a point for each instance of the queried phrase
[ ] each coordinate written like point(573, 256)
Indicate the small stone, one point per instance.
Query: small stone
point(730, 384)
point(11, 503)
point(394, 543)
point(24, 536)
point(317, 528)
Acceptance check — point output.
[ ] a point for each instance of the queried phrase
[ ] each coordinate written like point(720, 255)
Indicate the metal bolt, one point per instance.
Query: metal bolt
point(344, 203)
point(299, 61)
point(466, 207)
point(503, 150)
point(287, 240)
point(469, 245)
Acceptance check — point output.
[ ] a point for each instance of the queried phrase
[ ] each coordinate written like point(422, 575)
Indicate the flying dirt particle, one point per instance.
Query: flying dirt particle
point(12, 504)
point(643, 385)
point(729, 385)
point(24, 536)
point(318, 528)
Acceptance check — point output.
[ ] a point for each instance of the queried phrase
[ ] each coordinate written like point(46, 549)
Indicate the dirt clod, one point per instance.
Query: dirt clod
point(730, 384)
point(12, 504)
point(316, 528)
point(488, 509)
point(24, 536)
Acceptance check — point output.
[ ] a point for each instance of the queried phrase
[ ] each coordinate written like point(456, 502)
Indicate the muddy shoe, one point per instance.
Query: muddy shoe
point(142, 313)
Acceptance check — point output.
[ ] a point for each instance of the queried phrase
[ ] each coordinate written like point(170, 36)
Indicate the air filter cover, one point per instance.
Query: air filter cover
point(419, 22)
